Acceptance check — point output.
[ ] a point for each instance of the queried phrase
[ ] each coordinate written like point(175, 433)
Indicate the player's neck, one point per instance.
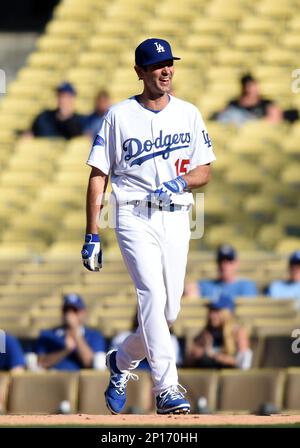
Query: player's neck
point(153, 103)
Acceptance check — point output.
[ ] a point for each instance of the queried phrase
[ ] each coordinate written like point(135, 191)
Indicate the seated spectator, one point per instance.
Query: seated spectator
point(290, 288)
point(11, 354)
point(73, 345)
point(63, 121)
point(93, 121)
point(227, 281)
point(222, 343)
point(250, 105)
point(143, 365)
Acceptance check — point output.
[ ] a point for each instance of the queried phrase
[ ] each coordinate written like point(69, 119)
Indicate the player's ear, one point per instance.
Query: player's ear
point(139, 71)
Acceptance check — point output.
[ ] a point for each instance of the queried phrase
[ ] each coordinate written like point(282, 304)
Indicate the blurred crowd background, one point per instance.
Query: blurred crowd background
point(237, 338)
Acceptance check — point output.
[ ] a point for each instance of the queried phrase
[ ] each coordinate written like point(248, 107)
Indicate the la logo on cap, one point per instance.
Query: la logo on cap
point(159, 47)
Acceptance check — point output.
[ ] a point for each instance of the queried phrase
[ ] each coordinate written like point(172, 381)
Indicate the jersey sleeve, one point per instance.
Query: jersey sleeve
point(202, 150)
point(103, 148)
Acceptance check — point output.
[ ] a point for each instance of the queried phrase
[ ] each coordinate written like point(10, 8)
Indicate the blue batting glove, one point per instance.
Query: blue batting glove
point(164, 194)
point(92, 252)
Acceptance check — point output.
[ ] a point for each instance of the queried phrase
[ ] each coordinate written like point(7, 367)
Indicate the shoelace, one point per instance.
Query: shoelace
point(121, 383)
point(172, 393)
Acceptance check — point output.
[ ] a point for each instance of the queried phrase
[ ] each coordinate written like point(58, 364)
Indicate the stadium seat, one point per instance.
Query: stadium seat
point(42, 393)
point(4, 385)
point(292, 387)
point(93, 384)
point(274, 10)
point(199, 384)
point(262, 25)
point(278, 352)
point(274, 326)
point(288, 245)
point(269, 235)
point(259, 386)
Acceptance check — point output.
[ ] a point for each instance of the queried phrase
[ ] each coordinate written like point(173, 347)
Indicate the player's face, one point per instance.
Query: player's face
point(158, 78)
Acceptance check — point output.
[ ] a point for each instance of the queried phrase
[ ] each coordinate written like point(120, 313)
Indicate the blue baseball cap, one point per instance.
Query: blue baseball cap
point(66, 87)
point(295, 258)
point(73, 301)
point(152, 51)
point(224, 301)
point(226, 252)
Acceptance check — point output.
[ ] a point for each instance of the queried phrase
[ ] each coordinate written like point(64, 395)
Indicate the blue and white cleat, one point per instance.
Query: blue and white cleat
point(172, 401)
point(115, 394)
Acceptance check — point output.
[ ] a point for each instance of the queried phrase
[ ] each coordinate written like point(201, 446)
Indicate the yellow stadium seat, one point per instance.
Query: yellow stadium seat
point(294, 23)
point(235, 57)
point(56, 43)
point(291, 145)
point(95, 60)
point(209, 25)
point(260, 207)
point(245, 175)
point(274, 326)
point(62, 249)
point(38, 393)
point(49, 60)
point(269, 235)
point(172, 27)
point(203, 42)
point(39, 75)
point(290, 174)
point(4, 387)
point(181, 12)
point(259, 386)
point(19, 178)
point(291, 397)
point(275, 10)
point(263, 130)
point(85, 75)
point(279, 56)
point(257, 24)
point(250, 42)
point(70, 28)
point(288, 245)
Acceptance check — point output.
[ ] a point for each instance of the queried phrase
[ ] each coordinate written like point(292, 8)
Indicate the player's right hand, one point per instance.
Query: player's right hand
point(164, 194)
point(92, 252)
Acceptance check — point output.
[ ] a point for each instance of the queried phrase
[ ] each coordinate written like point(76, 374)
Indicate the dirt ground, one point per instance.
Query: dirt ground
point(146, 420)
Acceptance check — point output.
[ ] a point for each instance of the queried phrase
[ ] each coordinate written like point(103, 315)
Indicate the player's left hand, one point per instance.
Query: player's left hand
point(164, 194)
point(92, 252)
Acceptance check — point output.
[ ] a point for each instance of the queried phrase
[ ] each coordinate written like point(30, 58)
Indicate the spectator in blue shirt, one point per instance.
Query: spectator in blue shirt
point(72, 346)
point(94, 120)
point(11, 354)
point(290, 288)
point(227, 281)
point(63, 121)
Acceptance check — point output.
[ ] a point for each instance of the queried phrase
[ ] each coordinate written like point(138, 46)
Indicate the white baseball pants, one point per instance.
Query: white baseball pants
point(154, 245)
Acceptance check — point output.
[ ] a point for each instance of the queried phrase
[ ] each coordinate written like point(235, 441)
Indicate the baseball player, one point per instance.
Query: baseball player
point(156, 149)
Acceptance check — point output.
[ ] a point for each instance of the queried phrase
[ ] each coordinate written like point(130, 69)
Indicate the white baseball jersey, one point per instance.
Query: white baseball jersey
point(142, 149)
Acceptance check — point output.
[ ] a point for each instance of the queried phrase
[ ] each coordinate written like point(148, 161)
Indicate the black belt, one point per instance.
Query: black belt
point(169, 208)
